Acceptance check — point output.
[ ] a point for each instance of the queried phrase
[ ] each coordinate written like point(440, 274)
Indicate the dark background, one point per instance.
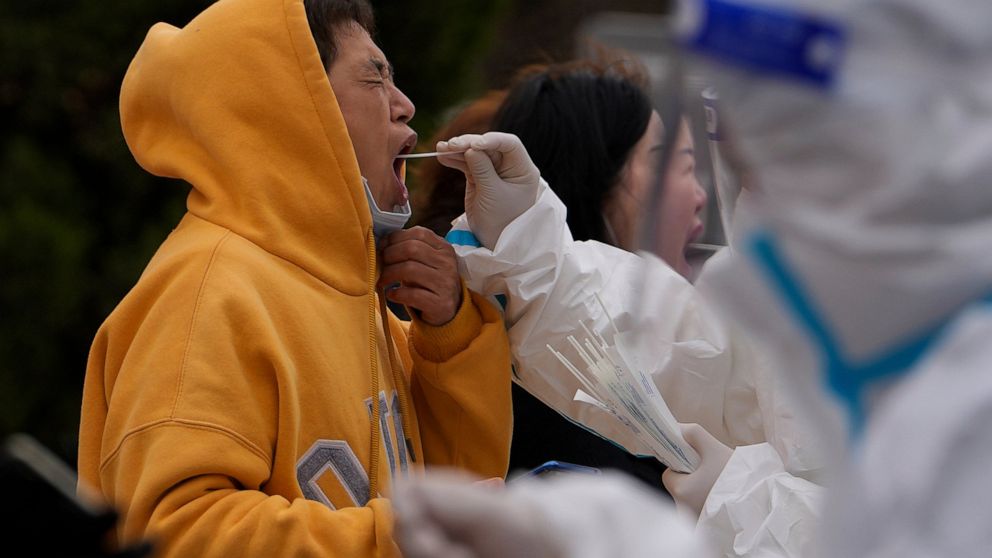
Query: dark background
point(79, 219)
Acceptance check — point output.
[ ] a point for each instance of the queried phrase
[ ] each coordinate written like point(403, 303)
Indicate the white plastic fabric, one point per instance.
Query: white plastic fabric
point(881, 181)
point(877, 196)
point(582, 508)
point(774, 513)
point(920, 485)
point(569, 516)
point(707, 372)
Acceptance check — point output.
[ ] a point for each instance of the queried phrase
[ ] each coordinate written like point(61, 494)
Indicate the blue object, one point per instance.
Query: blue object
point(848, 379)
point(769, 40)
point(462, 238)
point(552, 467)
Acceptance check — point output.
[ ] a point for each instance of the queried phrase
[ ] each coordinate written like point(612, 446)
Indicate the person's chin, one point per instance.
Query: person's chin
point(382, 194)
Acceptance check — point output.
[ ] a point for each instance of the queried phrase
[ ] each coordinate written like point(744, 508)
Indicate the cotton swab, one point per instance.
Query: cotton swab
point(589, 386)
point(607, 312)
point(423, 155)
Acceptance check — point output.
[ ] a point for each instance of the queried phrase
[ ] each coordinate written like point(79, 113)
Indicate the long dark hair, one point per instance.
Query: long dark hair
point(579, 122)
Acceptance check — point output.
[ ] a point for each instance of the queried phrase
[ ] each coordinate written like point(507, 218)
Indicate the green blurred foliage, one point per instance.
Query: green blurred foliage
point(79, 219)
point(436, 47)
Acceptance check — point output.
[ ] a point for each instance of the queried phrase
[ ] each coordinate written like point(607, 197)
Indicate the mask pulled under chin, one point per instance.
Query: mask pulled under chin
point(385, 222)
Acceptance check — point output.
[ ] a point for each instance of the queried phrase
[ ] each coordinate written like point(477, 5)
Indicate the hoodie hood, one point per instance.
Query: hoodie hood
point(237, 104)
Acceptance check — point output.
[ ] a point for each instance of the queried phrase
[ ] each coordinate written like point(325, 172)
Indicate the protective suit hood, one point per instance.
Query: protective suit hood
point(871, 230)
point(260, 137)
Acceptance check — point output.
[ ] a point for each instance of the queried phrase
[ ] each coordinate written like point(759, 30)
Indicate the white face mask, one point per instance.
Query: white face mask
point(385, 222)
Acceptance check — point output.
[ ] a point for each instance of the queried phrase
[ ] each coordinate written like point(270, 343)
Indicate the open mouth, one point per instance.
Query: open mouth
point(399, 167)
point(696, 233)
point(692, 246)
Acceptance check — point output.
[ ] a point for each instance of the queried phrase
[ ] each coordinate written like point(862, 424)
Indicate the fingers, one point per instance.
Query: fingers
point(458, 144)
point(480, 165)
point(436, 309)
point(706, 444)
point(694, 434)
point(681, 487)
point(424, 268)
point(404, 251)
point(452, 152)
point(495, 142)
point(414, 235)
point(403, 280)
point(470, 153)
point(454, 160)
point(498, 142)
point(671, 478)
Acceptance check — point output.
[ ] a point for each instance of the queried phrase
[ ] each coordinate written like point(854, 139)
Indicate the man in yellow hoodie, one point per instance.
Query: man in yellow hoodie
point(251, 395)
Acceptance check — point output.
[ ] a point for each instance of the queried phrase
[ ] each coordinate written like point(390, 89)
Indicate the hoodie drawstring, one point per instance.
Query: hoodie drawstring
point(399, 379)
point(374, 362)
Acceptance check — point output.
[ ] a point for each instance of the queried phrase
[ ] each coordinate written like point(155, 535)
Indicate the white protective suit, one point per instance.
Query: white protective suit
point(441, 516)
point(867, 270)
point(708, 373)
point(867, 267)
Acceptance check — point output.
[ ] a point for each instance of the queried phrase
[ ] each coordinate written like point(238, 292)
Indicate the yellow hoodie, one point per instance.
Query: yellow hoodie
point(228, 407)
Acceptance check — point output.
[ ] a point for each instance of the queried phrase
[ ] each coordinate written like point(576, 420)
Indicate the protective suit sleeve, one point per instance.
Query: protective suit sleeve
point(461, 389)
point(707, 373)
point(593, 516)
point(757, 508)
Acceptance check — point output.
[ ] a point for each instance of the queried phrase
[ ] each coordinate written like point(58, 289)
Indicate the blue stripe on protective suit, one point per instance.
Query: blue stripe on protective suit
point(462, 238)
point(846, 378)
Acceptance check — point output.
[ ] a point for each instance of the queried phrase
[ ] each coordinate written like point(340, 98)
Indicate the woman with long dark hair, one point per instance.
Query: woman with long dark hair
point(590, 128)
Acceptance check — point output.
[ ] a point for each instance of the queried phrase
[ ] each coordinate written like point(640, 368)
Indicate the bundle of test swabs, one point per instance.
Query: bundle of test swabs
point(615, 382)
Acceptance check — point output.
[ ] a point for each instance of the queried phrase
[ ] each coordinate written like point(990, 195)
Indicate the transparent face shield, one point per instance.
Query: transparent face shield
point(685, 336)
point(687, 103)
point(651, 348)
point(682, 214)
point(652, 356)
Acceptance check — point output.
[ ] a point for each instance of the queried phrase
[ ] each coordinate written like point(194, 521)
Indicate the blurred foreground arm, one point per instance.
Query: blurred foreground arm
point(575, 517)
point(746, 502)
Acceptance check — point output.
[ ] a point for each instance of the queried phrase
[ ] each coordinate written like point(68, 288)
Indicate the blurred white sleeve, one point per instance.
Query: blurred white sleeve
point(707, 374)
point(610, 515)
point(757, 508)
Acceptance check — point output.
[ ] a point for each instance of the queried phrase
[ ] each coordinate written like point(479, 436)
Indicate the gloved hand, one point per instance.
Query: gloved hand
point(446, 516)
point(501, 180)
point(690, 490)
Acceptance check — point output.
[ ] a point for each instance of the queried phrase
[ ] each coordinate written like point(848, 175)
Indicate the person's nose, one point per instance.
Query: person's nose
point(701, 197)
point(401, 106)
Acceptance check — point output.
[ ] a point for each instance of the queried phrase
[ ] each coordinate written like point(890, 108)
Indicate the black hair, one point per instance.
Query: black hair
point(579, 123)
point(324, 16)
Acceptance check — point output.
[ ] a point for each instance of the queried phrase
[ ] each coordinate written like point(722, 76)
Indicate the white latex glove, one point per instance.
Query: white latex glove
point(501, 180)
point(446, 516)
point(690, 490)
